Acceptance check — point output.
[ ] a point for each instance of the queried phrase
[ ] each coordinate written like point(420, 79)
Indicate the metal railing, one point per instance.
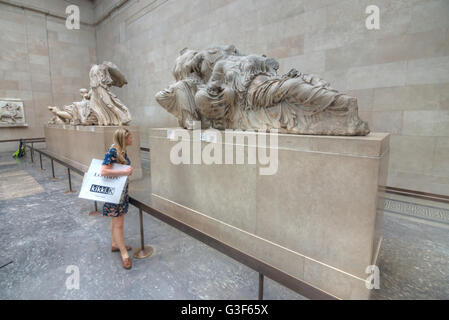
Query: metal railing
point(257, 265)
point(25, 140)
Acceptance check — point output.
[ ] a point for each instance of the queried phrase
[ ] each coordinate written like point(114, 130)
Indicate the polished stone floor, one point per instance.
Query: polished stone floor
point(44, 230)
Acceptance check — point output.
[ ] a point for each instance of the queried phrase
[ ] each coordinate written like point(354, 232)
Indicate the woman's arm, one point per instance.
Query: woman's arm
point(108, 172)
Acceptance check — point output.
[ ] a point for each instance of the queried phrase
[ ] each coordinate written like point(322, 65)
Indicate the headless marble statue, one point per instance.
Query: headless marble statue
point(108, 108)
point(224, 89)
point(100, 106)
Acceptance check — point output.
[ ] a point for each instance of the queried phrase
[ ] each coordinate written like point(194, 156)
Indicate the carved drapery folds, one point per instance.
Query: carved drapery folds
point(99, 106)
point(225, 89)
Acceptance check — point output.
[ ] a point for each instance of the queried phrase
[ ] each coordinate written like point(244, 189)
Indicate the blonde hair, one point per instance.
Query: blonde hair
point(119, 138)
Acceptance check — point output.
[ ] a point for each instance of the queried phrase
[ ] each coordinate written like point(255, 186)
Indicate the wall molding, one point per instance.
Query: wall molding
point(418, 194)
point(58, 16)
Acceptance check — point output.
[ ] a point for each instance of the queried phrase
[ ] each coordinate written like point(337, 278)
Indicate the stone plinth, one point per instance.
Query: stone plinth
point(318, 218)
point(78, 145)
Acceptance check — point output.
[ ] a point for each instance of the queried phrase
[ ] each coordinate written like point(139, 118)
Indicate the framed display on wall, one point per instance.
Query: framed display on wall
point(12, 113)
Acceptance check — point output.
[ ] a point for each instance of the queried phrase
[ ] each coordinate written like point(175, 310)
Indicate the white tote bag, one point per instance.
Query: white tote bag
point(99, 188)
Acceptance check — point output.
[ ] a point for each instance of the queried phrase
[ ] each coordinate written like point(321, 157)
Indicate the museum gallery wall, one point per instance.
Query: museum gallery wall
point(337, 91)
point(397, 73)
point(42, 63)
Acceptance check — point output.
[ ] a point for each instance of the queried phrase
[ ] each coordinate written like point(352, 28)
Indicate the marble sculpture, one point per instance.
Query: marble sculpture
point(225, 89)
point(11, 113)
point(99, 106)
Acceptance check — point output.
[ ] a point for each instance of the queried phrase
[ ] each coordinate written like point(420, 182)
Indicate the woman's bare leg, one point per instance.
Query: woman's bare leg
point(118, 235)
point(114, 243)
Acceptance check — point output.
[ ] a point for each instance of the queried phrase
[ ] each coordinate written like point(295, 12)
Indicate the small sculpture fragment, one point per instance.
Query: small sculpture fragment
point(60, 116)
point(77, 113)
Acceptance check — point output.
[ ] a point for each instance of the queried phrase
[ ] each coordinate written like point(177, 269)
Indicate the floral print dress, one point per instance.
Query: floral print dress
point(112, 209)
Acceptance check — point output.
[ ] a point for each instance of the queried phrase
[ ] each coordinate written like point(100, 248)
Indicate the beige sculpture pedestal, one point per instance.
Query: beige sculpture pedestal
point(318, 218)
point(78, 145)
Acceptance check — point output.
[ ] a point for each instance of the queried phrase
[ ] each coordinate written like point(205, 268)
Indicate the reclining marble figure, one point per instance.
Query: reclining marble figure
point(60, 116)
point(225, 89)
point(99, 106)
point(77, 113)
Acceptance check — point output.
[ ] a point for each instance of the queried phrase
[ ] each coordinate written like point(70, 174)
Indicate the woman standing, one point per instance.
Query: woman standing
point(117, 154)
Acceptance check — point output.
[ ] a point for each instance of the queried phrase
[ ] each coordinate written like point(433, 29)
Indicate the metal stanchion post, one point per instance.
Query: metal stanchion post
point(143, 251)
point(40, 160)
point(260, 286)
point(52, 170)
point(70, 182)
point(32, 153)
point(95, 212)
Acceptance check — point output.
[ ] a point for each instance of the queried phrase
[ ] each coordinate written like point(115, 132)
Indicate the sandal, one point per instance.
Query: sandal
point(126, 263)
point(115, 249)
